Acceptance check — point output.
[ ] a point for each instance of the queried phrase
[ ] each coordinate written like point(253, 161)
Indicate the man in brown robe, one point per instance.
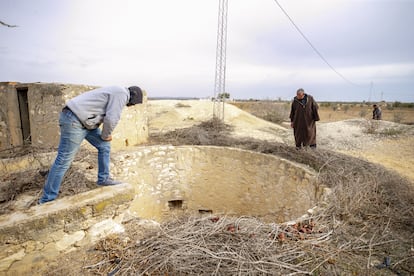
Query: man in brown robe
point(303, 115)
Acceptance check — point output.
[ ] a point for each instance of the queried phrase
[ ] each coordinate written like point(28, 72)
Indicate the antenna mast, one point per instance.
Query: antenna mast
point(220, 78)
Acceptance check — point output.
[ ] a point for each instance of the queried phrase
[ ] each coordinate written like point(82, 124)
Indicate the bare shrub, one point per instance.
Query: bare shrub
point(218, 245)
point(206, 133)
point(397, 117)
point(31, 182)
point(391, 131)
point(24, 150)
point(346, 108)
point(371, 126)
point(181, 105)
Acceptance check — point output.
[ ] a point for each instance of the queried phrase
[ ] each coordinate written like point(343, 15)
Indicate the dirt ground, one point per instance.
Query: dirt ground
point(396, 154)
point(393, 148)
point(342, 130)
point(384, 142)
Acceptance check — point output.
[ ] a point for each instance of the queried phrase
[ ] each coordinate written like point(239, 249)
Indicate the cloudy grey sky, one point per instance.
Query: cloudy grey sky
point(168, 47)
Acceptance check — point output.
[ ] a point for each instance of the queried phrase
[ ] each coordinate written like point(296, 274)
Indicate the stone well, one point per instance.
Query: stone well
point(161, 182)
point(215, 180)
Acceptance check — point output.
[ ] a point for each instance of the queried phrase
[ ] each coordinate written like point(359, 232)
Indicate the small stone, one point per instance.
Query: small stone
point(69, 240)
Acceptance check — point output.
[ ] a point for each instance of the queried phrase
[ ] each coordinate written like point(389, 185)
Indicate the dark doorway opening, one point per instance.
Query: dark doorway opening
point(24, 115)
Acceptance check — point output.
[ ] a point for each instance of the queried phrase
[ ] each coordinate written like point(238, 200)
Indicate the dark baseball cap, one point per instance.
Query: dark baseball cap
point(135, 95)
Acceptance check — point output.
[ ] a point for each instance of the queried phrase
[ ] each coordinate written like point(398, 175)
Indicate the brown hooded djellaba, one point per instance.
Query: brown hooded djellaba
point(303, 115)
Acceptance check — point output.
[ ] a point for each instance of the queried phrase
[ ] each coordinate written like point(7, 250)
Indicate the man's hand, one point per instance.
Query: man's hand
point(108, 139)
point(291, 125)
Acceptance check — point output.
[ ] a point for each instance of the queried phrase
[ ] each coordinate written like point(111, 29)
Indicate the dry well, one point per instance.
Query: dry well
point(161, 182)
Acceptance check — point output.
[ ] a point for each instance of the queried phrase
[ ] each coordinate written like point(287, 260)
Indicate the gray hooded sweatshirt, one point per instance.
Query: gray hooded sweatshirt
point(101, 105)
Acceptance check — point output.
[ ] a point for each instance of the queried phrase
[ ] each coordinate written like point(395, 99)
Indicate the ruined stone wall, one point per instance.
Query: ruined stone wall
point(45, 102)
point(132, 128)
point(30, 239)
point(10, 128)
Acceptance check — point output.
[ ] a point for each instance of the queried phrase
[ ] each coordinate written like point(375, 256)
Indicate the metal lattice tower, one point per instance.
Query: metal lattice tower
point(220, 79)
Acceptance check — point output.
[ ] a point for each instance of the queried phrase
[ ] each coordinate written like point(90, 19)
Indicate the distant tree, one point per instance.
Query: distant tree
point(346, 108)
point(325, 104)
point(397, 104)
point(7, 25)
point(224, 95)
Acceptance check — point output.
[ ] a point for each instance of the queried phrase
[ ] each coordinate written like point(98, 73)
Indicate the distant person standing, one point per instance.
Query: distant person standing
point(376, 112)
point(303, 117)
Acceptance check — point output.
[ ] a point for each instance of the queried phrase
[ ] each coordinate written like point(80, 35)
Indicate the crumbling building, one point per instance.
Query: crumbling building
point(29, 115)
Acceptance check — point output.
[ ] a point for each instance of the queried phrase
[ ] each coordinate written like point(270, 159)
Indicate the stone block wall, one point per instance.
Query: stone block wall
point(10, 128)
point(45, 102)
point(29, 239)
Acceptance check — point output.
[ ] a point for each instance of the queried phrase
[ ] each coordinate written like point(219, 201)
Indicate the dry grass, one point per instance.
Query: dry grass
point(216, 245)
point(364, 228)
point(31, 182)
point(22, 151)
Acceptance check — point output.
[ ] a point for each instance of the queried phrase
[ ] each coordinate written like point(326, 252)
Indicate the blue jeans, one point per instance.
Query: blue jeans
point(72, 134)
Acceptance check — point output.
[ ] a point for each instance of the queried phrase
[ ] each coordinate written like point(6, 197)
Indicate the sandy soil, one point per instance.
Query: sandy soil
point(388, 144)
point(166, 115)
point(382, 142)
point(396, 154)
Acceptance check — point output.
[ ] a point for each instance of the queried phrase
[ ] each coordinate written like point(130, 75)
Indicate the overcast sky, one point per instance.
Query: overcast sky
point(168, 47)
